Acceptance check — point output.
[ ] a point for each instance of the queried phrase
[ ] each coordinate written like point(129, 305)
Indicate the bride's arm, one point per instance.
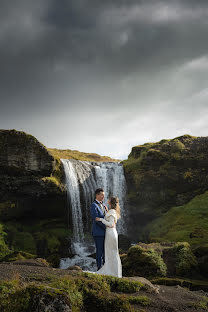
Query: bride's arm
point(109, 223)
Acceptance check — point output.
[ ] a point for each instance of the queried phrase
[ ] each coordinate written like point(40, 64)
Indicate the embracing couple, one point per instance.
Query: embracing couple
point(105, 234)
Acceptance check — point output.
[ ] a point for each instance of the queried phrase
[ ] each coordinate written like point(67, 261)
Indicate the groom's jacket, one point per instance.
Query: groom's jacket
point(98, 228)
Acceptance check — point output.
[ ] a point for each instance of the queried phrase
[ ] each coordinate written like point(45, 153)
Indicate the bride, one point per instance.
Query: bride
point(112, 265)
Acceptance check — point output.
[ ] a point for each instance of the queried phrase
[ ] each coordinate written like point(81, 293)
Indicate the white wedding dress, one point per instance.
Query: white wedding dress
point(112, 265)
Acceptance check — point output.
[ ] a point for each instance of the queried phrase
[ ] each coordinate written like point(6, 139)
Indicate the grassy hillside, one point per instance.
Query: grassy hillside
point(163, 175)
point(74, 154)
point(183, 223)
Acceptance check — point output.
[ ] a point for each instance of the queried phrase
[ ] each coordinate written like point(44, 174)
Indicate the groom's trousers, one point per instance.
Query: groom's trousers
point(100, 250)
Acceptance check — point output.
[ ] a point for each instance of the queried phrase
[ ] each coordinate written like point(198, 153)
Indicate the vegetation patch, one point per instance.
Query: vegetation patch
point(182, 223)
point(188, 283)
point(81, 292)
point(74, 154)
point(143, 262)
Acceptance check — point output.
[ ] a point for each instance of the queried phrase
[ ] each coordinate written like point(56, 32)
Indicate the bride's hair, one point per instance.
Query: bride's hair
point(115, 205)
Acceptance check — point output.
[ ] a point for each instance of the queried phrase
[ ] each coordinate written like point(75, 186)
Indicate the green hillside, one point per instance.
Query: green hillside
point(74, 154)
point(183, 223)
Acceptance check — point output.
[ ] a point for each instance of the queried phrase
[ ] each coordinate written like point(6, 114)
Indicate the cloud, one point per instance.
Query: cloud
point(109, 74)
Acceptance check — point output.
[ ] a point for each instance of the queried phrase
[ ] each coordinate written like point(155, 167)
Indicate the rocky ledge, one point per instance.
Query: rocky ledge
point(37, 287)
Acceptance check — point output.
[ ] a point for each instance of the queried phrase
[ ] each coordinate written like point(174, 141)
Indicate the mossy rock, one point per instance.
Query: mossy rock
point(80, 292)
point(4, 248)
point(99, 293)
point(23, 154)
point(162, 175)
point(95, 301)
point(201, 253)
point(18, 255)
point(35, 298)
point(188, 283)
point(185, 260)
point(143, 262)
point(48, 238)
point(19, 240)
point(115, 284)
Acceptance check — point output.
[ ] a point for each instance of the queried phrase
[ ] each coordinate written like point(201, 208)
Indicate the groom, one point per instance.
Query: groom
point(98, 209)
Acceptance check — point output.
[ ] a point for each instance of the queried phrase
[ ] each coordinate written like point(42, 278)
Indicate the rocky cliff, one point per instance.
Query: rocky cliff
point(33, 212)
point(33, 199)
point(30, 177)
point(162, 175)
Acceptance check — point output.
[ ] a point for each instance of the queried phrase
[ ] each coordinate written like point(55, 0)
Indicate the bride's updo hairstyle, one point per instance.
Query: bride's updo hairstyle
point(115, 205)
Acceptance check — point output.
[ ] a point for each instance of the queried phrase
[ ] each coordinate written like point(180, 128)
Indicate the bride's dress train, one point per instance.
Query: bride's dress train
point(112, 265)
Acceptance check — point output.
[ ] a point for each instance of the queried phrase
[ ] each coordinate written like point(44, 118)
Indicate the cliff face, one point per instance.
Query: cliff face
point(33, 210)
point(162, 175)
point(33, 196)
point(22, 154)
point(30, 177)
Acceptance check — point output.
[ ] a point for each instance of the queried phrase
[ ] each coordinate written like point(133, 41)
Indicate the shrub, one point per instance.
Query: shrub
point(143, 262)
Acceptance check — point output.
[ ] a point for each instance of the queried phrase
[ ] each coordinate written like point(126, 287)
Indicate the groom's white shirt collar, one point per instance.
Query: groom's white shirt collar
point(100, 202)
point(102, 206)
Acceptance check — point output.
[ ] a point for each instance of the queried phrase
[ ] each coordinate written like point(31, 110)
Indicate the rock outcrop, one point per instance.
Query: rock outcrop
point(30, 177)
point(33, 209)
point(22, 154)
point(162, 175)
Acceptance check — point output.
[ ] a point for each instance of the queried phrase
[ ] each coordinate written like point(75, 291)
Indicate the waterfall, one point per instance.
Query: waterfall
point(82, 179)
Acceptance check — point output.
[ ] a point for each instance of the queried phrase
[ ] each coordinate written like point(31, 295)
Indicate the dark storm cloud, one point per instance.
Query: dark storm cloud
point(117, 36)
point(124, 59)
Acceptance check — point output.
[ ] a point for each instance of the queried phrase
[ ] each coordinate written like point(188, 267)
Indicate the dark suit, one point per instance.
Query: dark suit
point(98, 232)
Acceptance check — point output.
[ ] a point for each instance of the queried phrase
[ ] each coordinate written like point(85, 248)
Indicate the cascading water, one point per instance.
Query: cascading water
point(82, 178)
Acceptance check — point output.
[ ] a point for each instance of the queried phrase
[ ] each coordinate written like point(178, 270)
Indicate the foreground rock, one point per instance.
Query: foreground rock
point(35, 288)
point(174, 260)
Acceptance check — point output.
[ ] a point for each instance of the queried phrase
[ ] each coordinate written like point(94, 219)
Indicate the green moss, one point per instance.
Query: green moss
point(52, 181)
point(18, 255)
point(186, 137)
point(143, 300)
point(97, 293)
point(83, 291)
point(32, 297)
point(203, 304)
point(125, 286)
point(185, 259)
point(44, 237)
point(52, 241)
point(71, 287)
point(132, 164)
point(183, 282)
point(4, 249)
point(24, 241)
point(58, 171)
point(177, 146)
point(99, 301)
point(182, 223)
point(74, 154)
point(143, 262)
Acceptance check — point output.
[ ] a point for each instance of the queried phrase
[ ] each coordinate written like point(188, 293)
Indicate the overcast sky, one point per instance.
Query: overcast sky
point(101, 75)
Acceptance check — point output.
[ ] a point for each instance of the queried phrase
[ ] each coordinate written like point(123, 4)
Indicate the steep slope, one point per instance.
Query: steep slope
point(183, 223)
point(162, 175)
